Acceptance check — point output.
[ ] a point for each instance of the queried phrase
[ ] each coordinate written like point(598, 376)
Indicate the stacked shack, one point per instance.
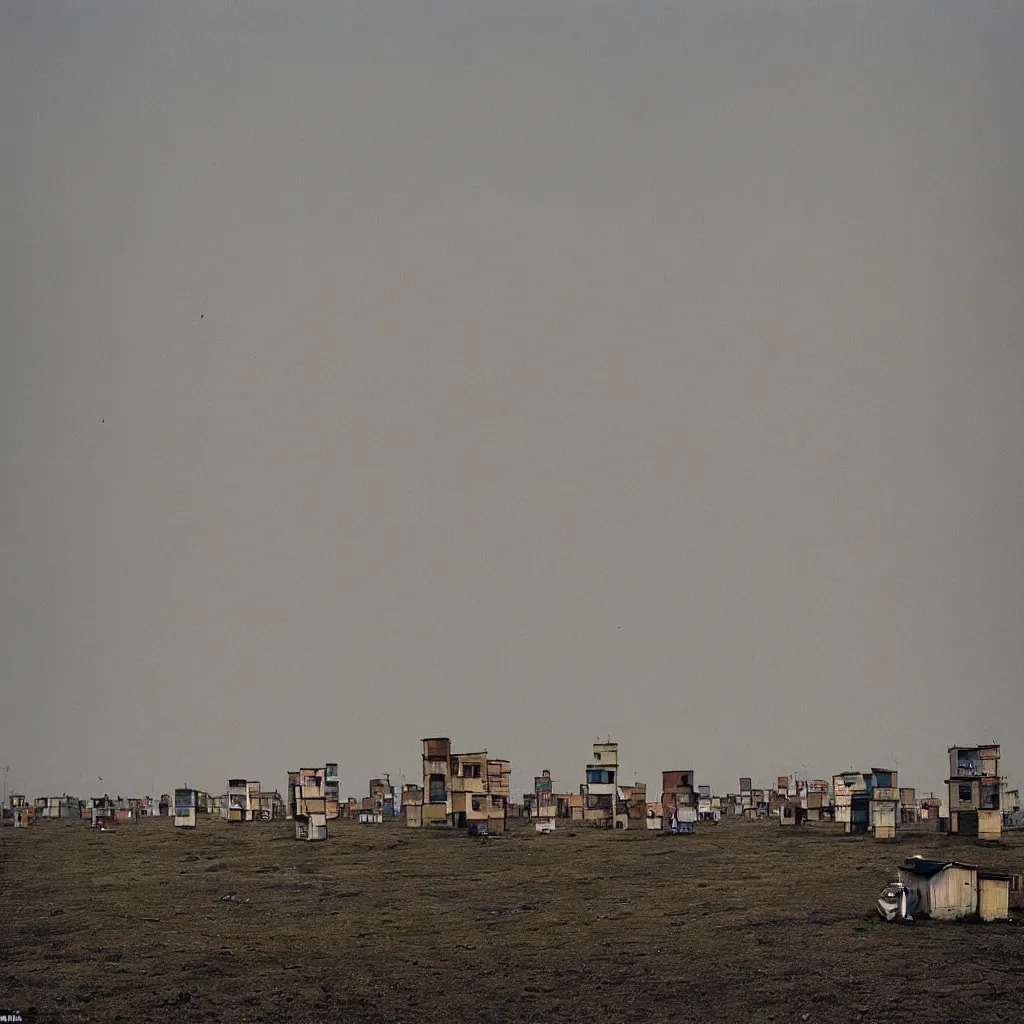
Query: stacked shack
point(975, 792)
point(678, 800)
point(602, 799)
point(867, 802)
point(469, 791)
point(382, 798)
point(542, 799)
point(307, 804)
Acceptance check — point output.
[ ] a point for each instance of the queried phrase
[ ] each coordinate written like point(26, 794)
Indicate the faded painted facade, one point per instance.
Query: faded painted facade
point(1012, 816)
point(653, 816)
point(601, 791)
point(329, 781)
point(236, 807)
point(636, 802)
point(307, 804)
point(910, 812)
point(468, 790)
point(499, 791)
point(56, 807)
point(975, 791)
point(678, 797)
point(748, 802)
point(545, 803)
point(18, 809)
point(382, 798)
point(185, 808)
point(412, 805)
point(245, 800)
point(542, 800)
point(332, 790)
point(437, 781)
point(266, 805)
point(868, 802)
point(102, 812)
point(709, 807)
point(469, 799)
point(792, 812)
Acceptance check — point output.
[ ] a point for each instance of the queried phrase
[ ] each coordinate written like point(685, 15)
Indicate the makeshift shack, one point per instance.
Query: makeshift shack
point(950, 890)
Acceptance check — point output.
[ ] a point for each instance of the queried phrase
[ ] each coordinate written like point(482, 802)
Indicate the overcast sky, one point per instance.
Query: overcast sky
point(521, 372)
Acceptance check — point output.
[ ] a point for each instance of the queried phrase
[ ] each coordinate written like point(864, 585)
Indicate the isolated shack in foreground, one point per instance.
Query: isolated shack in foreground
point(948, 890)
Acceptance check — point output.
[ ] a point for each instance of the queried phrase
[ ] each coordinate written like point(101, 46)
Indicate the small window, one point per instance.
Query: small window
point(496, 801)
point(965, 794)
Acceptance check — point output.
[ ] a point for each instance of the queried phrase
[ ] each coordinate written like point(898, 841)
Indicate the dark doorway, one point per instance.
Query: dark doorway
point(967, 824)
point(437, 789)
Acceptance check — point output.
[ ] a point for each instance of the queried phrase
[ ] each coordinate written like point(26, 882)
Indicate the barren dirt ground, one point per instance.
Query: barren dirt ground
point(742, 922)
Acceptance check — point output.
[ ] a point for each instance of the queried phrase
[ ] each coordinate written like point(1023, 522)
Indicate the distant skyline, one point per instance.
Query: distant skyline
point(517, 372)
point(360, 786)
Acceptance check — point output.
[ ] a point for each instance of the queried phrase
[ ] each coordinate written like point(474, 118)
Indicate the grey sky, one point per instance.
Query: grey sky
point(520, 372)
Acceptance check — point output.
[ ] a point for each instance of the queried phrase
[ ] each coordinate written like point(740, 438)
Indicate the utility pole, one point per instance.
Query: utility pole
point(5, 770)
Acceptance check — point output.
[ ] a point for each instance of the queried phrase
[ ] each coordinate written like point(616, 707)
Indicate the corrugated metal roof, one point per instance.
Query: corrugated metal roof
point(927, 868)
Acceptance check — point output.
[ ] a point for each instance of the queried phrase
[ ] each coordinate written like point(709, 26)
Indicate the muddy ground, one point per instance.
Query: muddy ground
point(742, 922)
